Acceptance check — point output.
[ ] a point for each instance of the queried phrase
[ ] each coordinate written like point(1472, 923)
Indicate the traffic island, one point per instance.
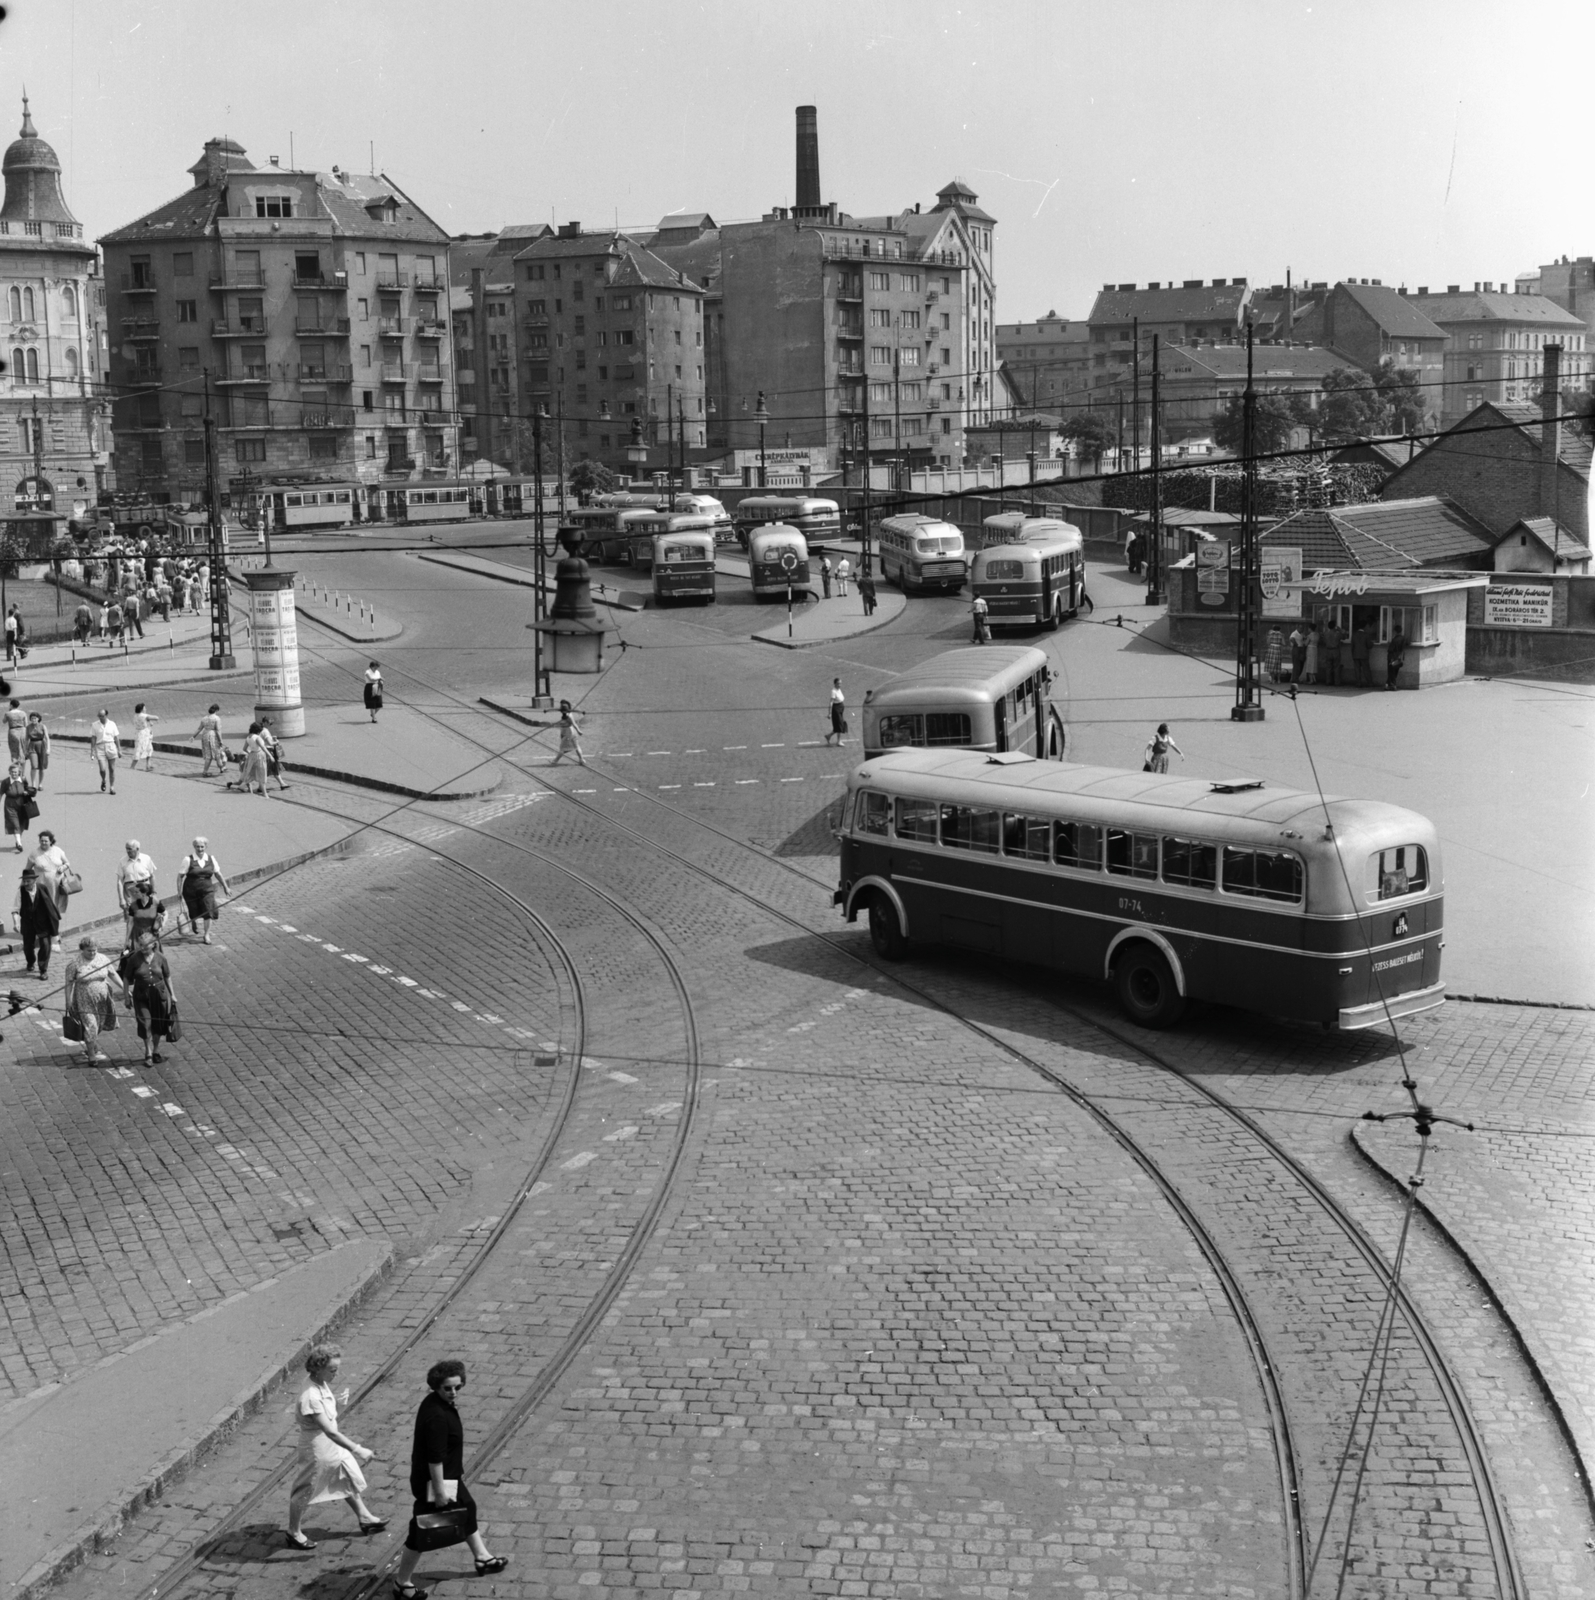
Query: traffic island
point(825, 621)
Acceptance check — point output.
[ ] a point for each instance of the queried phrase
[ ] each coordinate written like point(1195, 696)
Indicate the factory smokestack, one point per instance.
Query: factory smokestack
point(808, 159)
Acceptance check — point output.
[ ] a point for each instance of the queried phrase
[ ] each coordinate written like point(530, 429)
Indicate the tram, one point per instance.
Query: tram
point(330, 506)
point(921, 553)
point(1037, 576)
point(1170, 888)
point(778, 559)
point(986, 697)
point(451, 504)
point(683, 562)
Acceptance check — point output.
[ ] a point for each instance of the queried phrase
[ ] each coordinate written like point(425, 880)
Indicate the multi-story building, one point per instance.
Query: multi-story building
point(1367, 324)
point(1571, 285)
point(1197, 382)
point(1495, 345)
point(54, 422)
point(304, 310)
point(1187, 314)
point(1047, 361)
point(610, 336)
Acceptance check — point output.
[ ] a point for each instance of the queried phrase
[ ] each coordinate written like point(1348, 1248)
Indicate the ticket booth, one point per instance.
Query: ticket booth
point(1430, 608)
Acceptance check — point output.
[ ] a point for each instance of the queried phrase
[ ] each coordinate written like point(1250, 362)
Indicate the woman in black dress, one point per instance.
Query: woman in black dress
point(147, 983)
point(437, 1463)
point(373, 690)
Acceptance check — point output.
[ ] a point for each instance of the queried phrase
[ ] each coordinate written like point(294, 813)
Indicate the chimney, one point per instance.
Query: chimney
point(570, 230)
point(1550, 431)
point(808, 159)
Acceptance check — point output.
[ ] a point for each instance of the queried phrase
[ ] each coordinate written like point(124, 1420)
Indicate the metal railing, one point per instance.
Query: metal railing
point(429, 374)
point(392, 372)
point(392, 280)
point(393, 325)
point(243, 326)
point(325, 372)
point(146, 375)
point(239, 280)
point(336, 281)
point(332, 329)
point(140, 328)
point(138, 282)
point(433, 285)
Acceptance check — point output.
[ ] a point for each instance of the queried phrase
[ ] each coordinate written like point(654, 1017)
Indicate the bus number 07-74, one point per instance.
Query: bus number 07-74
point(1128, 904)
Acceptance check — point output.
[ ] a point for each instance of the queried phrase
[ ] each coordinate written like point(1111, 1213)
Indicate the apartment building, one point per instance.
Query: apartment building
point(1047, 361)
point(1570, 284)
point(1188, 313)
point(54, 420)
point(1367, 324)
point(305, 311)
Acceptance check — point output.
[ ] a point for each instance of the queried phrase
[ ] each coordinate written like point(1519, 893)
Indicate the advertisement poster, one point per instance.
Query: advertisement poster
point(1522, 605)
point(1279, 570)
point(274, 624)
point(1212, 572)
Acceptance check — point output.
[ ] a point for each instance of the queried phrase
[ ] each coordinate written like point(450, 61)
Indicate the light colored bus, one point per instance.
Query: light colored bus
point(595, 533)
point(1170, 888)
point(817, 520)
point(778, 559)
point(1036, 578)
point(451, 504)
point(683, 562)
point(983, 697)
point(643, 527)
point(921, 553)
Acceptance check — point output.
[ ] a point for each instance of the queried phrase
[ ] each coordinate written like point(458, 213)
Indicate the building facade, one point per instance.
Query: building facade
point(1366, 324)
point(54, 418)
point(1189, 313)
point(1048, 362)
point(1571, 285)
point(305, 311)
point(1197, 382)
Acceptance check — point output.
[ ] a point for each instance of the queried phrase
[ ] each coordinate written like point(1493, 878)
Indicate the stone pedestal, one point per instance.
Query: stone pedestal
point(274, 627)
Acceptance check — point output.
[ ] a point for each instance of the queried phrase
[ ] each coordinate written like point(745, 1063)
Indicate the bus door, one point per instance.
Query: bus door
point(1045, 609)
point(1022, 722)
point(999, 711)
point(1076, 579)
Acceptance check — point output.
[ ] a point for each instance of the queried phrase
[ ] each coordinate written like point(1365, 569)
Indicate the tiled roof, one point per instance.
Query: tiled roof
point(639, 266)
point(1574, 447)
point(1384, 535)
point(698, 258)
point(190, 213)
point(1383, 451)
point(1169, 305)
point(1394, 312)
point(1563, 545)
point(1268, 360)
point(1533, 308)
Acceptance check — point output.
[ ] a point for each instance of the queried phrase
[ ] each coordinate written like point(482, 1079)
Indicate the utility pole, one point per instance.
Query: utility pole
point(864, 513)
point(1248, 705)
point(1156, 593)
point(1135, 391)
point(681, 431)
point(670, 442)
point(541, 688)
point(897, 411)
point(559, 438)
point(221, 632)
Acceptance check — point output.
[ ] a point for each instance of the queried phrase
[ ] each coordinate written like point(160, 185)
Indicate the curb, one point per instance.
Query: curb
point(837, 638)
point(301, 610)
point(191, 1452)
point(107, 691)
point(508, 576)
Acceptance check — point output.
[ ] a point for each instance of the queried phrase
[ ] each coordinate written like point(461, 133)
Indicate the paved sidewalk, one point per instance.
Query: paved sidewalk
point(512, 571)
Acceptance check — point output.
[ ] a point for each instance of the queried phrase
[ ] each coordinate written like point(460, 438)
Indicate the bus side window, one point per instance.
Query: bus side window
point(1132, 855)
point(1077, 844)
point(970, 828)
point(946, 728)
point(874, 812)
point(1025, 837)
point(1188, 862)
point(1401, 870)
point(901, 730)
point(916, 819)
point(1263, 874)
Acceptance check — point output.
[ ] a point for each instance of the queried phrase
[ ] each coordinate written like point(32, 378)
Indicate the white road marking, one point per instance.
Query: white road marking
point(620, 1133)
point(586, 791)
point(144, 1093)
point(670, 786)
point(747, 780)
point(579, 1160)
point(772, 747)
point(663, 1109)
point(697, 785)
point(692, 752)
point(791, 780)
point(661, 752)
point(733, 747)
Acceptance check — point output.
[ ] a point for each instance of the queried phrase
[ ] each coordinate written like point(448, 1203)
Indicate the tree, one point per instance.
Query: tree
point(1272, 423)
point(1352, 406)
point(1579, 404)
point(1090, 432)
point(589, 477)
point(1406, 406)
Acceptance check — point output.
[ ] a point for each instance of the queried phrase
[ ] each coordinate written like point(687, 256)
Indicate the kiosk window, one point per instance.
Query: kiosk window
point(916, 819)
point(1186, 861)
point(1078, 844)
point(1265, 874)
point(874, 810)
point(1027, 837)
point(1132, 855)
point(970, 828)
point(1399, 871)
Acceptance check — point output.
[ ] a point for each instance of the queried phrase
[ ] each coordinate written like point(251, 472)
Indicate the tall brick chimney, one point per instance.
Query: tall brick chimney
point(808, 159)
point(1550, 431)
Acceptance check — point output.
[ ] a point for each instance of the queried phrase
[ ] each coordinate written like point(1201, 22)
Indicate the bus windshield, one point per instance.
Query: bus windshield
point(682, 552)
point(997, 570)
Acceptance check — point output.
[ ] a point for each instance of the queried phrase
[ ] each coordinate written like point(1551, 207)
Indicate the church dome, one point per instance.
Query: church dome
point(33, 178)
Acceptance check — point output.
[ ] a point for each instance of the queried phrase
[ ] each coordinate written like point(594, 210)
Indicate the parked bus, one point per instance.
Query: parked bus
point(1037, 577)
point(331, 507)
point(817, 520)
point(595, 533)
point(683, 562)
point(986, 697)
point(643, 527)
point(921, 553)
point(1170, 888)
point(778, 559)
point(451, 504)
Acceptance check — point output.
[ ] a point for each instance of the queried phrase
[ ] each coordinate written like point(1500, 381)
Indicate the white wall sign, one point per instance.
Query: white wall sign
point(1523, 605)
point(1279, 573)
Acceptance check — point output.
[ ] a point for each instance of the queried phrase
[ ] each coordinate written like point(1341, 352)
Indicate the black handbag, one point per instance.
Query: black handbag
point(71, 1028)
point(174, 1030)
point(437, 1530)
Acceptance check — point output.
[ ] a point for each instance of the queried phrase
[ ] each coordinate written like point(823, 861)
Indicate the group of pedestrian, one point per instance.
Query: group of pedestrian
point(330, 1467)
point(841, 572)
point(16, 636)
point(1315, 653)
point(138, 587)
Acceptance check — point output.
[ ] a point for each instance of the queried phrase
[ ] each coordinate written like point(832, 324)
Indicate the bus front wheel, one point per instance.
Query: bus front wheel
point(885, 931)
point(1146, 988)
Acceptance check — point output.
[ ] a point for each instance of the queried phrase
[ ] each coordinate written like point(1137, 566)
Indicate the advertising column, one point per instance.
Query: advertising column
point(275, 629)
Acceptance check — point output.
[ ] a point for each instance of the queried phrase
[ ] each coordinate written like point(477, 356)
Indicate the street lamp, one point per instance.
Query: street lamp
point(571, 630)
point(762, 415)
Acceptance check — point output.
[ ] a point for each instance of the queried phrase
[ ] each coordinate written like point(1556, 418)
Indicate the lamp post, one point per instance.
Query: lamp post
point(762, 416)
point(571, 630)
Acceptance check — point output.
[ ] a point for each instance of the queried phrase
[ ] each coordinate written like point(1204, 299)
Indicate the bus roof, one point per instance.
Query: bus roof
point(698, 527)
point(1023, 529)
point(994, 669)
point(912, 522)
point(777, 533)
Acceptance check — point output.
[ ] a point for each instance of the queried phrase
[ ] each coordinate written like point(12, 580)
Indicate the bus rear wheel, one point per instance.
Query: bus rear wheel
point(885, 931)
point(1146, 989)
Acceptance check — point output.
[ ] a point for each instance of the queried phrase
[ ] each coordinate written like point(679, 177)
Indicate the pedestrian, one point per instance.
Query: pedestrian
point(111, 623)
point(1361, 645)
point(1309, 673)
point(88, 1007)
point(273, 752)
point(144, 738)
point(1329, 651)
point(844, 570)
point(134, 869)
point(145, 914)
point(329, 1461)
point(1299, 636)
point(825, 575)
point(570, 743)
point(1157, 750)
point(11, 635)
point(36, 741)
point(147, 988)
point(373, 690)
point(16, 729)
point(54, 870)
point(130, 614)
point(1274, 653)
point(17, 805)
point(866, 592)
point(209, 734)
point(437, 1468)
point(1395, 656)
point(163, 600)
point(838, 713)
point(82, 623)
point(38, 920)
point(254, 768)
point(105, 745)
point(979, 614)
point(197, 879)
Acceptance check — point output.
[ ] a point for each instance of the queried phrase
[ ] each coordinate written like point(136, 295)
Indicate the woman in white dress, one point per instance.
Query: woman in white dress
point(144, 739)
point(329, 1461)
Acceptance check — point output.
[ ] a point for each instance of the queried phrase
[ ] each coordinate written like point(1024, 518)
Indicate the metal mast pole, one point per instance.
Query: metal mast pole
point(539, 558)
point(221, 632)
point(681, 435)
point(1156, 593)
point(670, 441)
point(897, 425)
point(864, 552)
point(1248, 705)
point(1135, 391)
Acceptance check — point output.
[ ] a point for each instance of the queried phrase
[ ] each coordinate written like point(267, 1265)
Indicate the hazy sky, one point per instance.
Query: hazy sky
point(1417, 141)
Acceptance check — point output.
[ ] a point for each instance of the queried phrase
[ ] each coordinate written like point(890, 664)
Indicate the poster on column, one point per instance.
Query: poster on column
point(1279, 577)
point(275, 626)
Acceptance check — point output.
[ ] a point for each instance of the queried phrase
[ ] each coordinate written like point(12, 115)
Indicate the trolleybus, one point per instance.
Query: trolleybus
point(1037, 577)
point(778, 559)
point(922, 553)
point(817, 520)
point(986, 697)
point(683, 562)
point(1170, 888)
point(596, 533)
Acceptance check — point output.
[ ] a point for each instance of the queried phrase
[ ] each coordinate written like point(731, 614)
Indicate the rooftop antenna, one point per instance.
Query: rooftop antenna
point(373, 148)
point(291, 166)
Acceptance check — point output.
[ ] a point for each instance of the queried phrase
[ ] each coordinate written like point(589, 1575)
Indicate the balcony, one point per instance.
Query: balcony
point(849, 331)
point(144, 377)
point(392, 372)
point(430, 285)
point(391, 327)
point(334, 328)
point(429, 328)
point(137, 282)
point(335, 283)
point(239, 328)
point(317, 420)
point(237, 279)
point(392, 280)
point(326, 372)
point(249, 374)
point(140, 328)
point(850, 293)
point(429, 374)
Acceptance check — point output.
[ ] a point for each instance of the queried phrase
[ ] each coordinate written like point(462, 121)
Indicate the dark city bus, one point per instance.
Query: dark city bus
point(1031, 570)
point(683, 562)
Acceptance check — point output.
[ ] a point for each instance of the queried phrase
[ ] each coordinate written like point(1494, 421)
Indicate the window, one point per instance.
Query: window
point(150, 452)
point(678, 336)
point(1004, 571)
point(534, 274)
point(1399, 871)
point(188, 311)
point(916, 819)
point(1132, 855)
point(16, 304)
point(249, 450)
point(577, 290)
point(193, 405)
point(971, 828)
point(1026, 837)
point(946, 322)
point(188, 358)
point(873, 812)
point(908, 319)
point(1188, 862)
point(880, 355)
point(273, 205)
point(909, 358)
point(360, 261)
point(1077, 844)
point(33, 364)
point(625, 336)
point(880, 280)
point(1263, 874)
point(194, 452)
point(323, 447)
point(880, 317)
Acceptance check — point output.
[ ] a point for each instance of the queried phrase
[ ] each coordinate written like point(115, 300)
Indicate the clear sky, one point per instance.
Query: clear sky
point(1417, 141)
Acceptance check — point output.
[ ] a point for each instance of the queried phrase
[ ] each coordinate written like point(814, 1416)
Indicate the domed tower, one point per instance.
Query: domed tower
point(54, 430)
